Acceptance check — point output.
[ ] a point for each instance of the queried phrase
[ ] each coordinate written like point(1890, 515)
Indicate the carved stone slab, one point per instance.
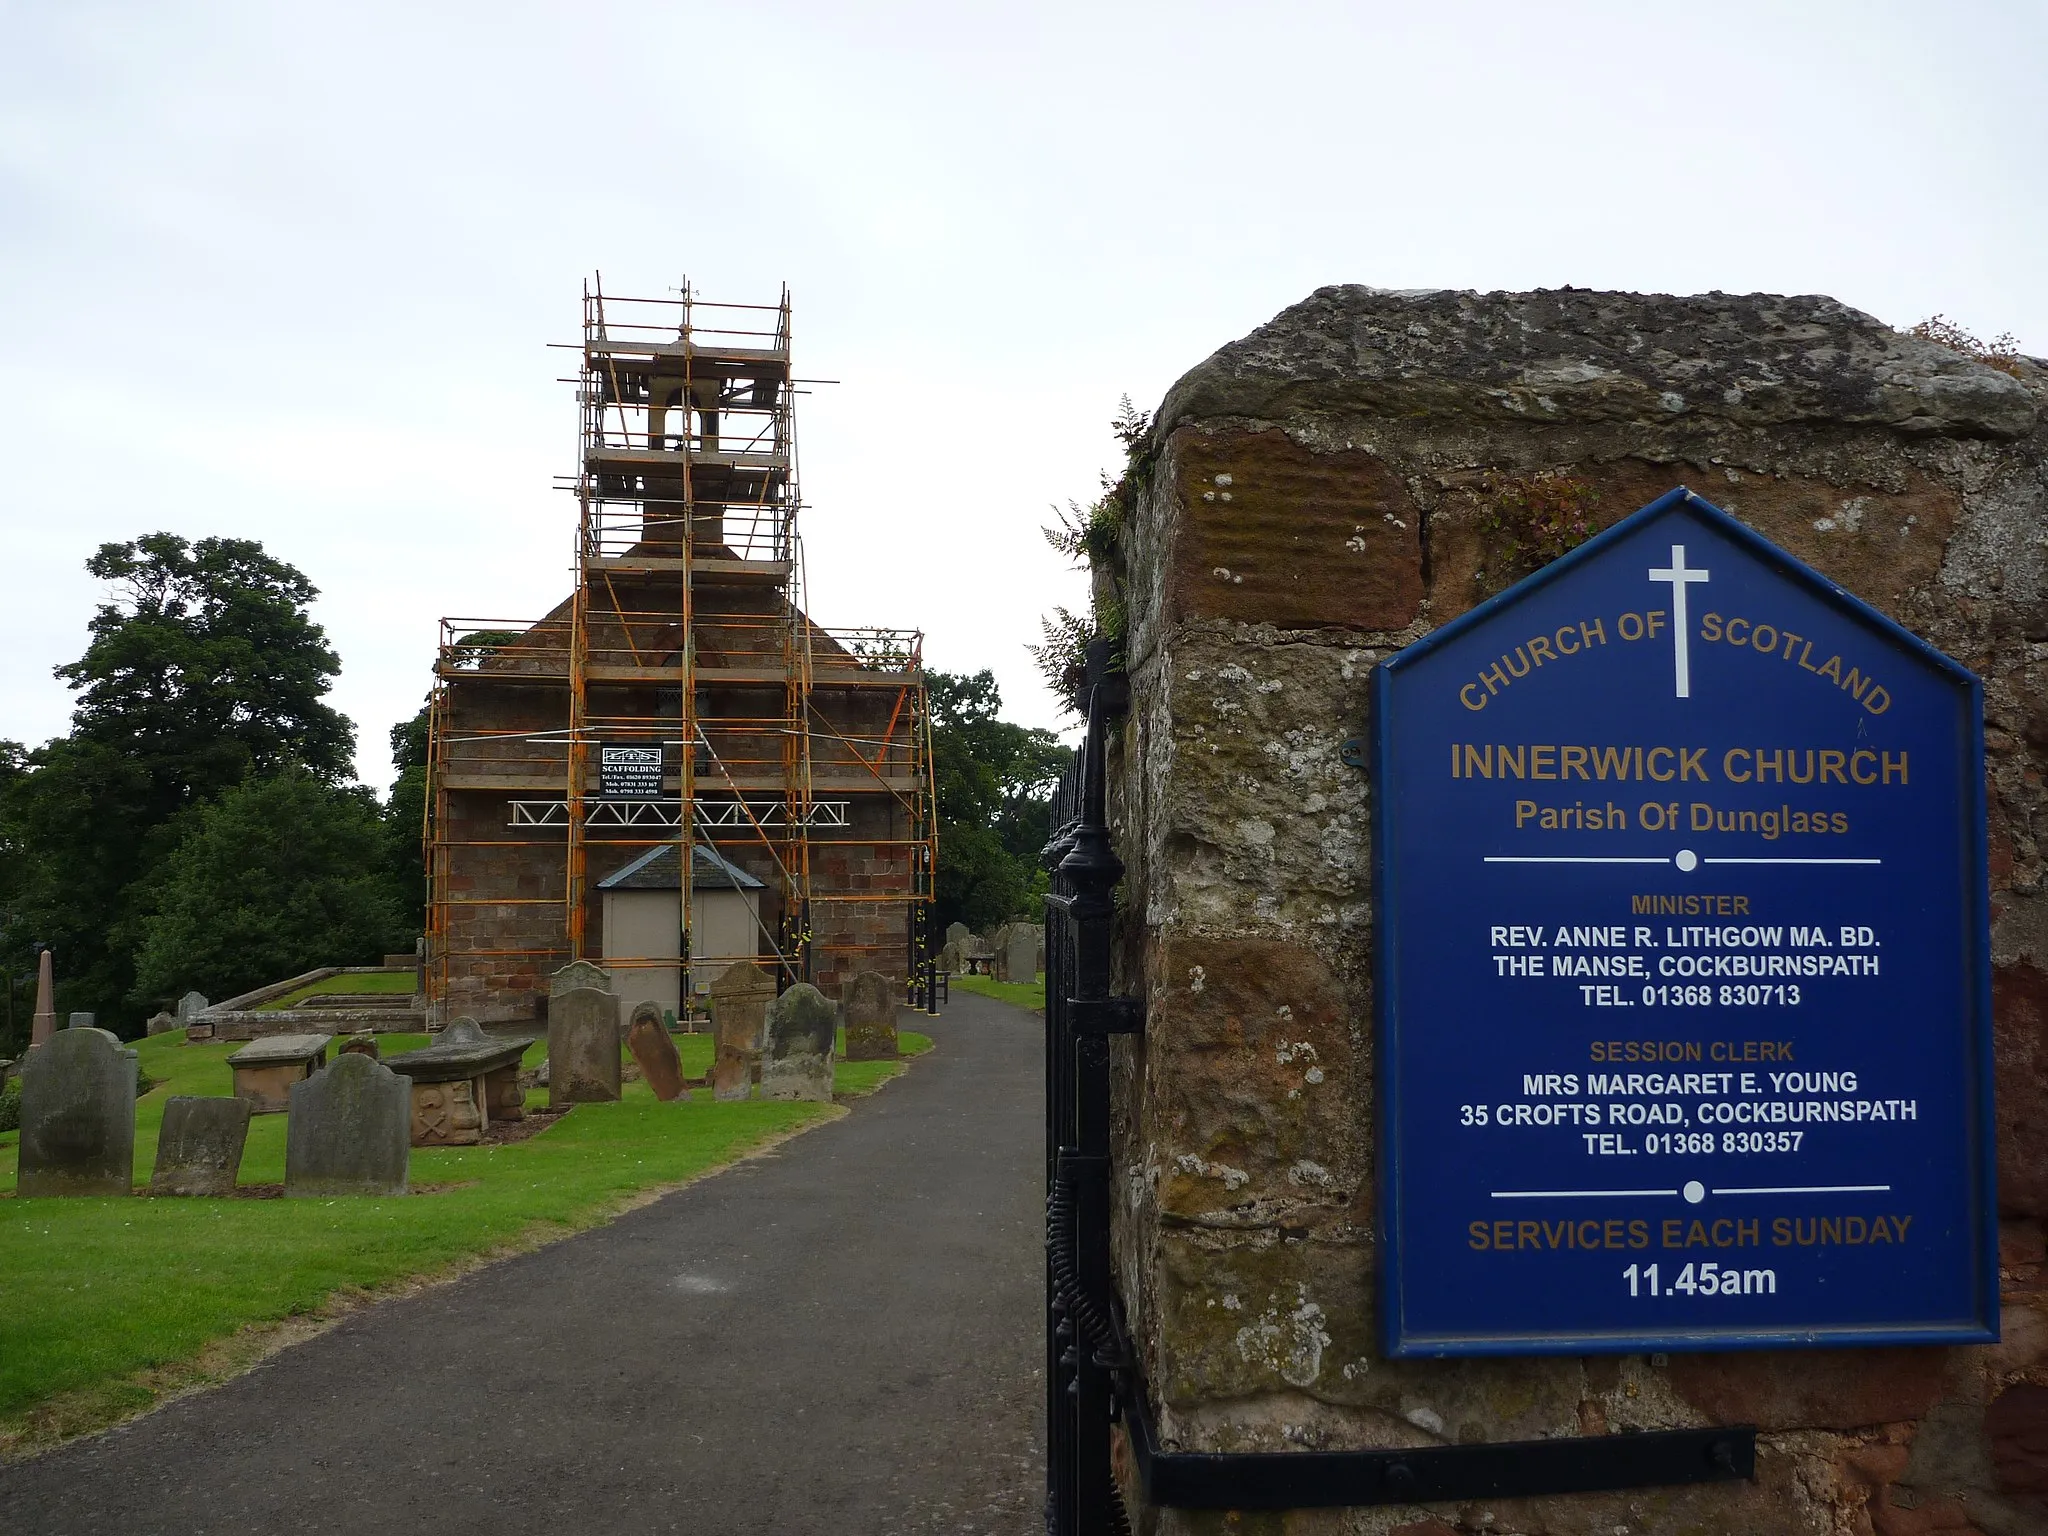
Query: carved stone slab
point(77, 1116)
point(199, 1149)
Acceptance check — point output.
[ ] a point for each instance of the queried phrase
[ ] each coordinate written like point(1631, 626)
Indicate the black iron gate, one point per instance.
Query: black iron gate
point(1091, 1371)
point(1085, 1351)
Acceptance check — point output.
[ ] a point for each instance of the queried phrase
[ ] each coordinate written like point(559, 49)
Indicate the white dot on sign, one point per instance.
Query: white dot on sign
point(1687, 860)
point(1695, 1192)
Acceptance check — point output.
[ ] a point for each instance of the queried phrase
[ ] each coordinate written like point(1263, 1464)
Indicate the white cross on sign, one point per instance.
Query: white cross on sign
point(1680, 578)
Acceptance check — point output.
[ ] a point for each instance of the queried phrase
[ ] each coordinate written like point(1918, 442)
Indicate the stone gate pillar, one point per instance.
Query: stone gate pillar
point(1327, 490)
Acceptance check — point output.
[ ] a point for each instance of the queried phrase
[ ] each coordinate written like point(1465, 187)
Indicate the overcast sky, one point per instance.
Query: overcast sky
point(288, 272)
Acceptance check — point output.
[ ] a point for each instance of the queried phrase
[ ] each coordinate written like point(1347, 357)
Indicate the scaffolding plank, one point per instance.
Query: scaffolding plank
point(710, 782)
point(708, 568)
point(672, 459)
point(747, 362)
point(769, 676)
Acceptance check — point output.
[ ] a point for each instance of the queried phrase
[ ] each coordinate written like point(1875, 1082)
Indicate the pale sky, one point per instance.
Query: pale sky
point(289, 272)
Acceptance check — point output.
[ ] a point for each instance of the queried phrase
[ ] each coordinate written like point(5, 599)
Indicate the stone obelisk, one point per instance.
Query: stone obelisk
point(45, 1024)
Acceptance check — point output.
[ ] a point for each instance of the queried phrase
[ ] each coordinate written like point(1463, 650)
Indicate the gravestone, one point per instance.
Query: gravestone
point(83, 1021)
point(77, 1116)
point(579, 973)
point(583, 1045)
point(191, 1005)
point(199, 1149)
point(649, 1041)
point(951, 959)
point(802, 1024)
point(349, 1132)
point(162, 1024)
point(364, 1044)
point(1020, 953)
point(44, 1023)
point(958, 933)
point(869, 1004)
point(739, 1014)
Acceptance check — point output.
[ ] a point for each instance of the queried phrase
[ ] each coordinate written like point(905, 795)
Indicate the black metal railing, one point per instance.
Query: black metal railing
point(1085, 1349)
point(1092, 1376)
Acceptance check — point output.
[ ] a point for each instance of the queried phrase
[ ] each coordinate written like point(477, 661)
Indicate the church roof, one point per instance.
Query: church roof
point(655, 870)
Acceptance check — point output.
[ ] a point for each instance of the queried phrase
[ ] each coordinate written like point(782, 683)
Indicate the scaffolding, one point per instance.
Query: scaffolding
point(797, 753)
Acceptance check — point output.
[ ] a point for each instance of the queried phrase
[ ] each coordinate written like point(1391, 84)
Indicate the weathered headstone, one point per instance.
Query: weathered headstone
point(802, 1024)
point(44, 1024)
point(161, 1024)
point(199, 1149)
point(740, 996)
point(191, 1005)
point(1020, 954)
point(583, 1046)
point(579, 973)
point(364, 1044)
point(349, 1132)
point(83, 1021)
point(958, 933)
point(649, 1041)
point(78, 1116)
point(951, 958)
point(869, 1003)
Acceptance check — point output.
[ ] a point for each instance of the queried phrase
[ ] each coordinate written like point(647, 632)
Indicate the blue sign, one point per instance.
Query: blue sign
point(1683, 963)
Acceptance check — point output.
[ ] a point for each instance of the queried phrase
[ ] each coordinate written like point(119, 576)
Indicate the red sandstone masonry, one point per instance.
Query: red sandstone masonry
point(1362, 438)
point(527, 867)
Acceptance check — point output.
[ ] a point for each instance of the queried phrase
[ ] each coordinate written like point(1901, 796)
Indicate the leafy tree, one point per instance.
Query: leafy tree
point(405, 815)
point(207, 667)
point(76, 830)
point(283, 873)
point(204, 666)
point(993, 782)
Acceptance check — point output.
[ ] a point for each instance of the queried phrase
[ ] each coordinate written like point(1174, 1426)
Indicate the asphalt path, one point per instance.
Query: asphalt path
point(841, 1336)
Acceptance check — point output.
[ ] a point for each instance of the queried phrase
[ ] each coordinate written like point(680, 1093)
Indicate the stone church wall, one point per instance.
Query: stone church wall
point(1365, 467)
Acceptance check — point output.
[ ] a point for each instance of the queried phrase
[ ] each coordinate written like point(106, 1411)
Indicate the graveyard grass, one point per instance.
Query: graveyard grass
point(395, 983)
point(112, 1304)
point(1032, 996)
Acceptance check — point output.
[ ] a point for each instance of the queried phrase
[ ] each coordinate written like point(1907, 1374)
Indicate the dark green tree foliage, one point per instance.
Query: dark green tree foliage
point(204, 667)
point(77, 831)
point(208, 668)
point(405, 819)
point(993, 781)
point(283, 873)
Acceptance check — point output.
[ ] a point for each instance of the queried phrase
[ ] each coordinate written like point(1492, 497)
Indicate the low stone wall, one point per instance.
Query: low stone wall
point(1327, 490)
point(245, 1018)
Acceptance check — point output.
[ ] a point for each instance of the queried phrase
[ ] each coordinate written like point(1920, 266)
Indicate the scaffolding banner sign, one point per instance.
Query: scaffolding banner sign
point(1683, 965)
point(629, 773)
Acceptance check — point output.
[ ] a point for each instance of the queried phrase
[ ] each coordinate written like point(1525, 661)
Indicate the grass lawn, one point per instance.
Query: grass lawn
point(1032, 996)
point(111, 1303)
point(396, 983)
